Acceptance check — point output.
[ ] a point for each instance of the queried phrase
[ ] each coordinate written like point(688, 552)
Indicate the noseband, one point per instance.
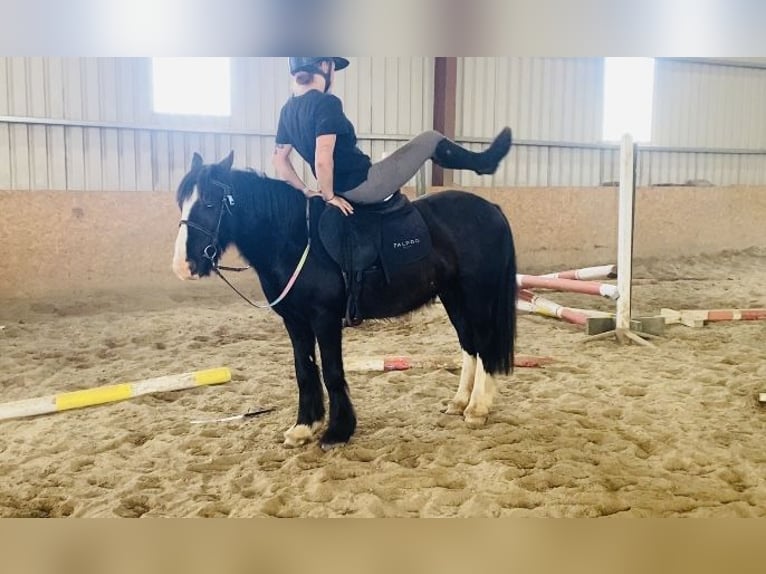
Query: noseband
point(213, 249)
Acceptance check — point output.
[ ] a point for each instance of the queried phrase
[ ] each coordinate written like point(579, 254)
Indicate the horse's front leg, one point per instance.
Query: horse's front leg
point(310, 398)
point(342, 423)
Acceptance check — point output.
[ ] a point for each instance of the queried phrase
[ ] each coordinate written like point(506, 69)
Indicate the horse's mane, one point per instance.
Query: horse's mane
point(251, 187)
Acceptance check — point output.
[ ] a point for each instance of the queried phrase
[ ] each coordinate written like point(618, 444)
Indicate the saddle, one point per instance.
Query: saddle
point(380, 237)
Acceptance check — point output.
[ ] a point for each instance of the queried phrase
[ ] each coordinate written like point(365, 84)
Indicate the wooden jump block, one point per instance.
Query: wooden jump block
point(654, 325)
point(597, 325)
point(688, 318)
point(650, 325)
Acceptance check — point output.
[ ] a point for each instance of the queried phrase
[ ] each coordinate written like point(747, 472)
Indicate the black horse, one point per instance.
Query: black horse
point(471, 268)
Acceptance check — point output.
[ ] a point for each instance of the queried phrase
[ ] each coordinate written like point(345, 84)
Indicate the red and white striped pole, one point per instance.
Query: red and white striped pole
point(571, 285)
point(405, 363)
point(543, 306)
point(735, 315)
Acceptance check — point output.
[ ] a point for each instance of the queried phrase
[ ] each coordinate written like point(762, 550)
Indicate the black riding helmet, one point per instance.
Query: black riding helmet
point(311, 64)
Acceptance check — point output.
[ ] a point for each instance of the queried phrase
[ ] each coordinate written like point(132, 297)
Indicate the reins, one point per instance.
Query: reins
point(211, 250)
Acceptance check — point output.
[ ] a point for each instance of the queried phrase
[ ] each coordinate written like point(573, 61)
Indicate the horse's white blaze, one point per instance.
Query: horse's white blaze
point(463, 395)
point(180, 263)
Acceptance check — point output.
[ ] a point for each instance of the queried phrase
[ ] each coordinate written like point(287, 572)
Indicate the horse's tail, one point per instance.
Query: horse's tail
point(505, 316)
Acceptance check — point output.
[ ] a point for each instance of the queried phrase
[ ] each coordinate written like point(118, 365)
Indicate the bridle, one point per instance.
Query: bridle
point(213, 248)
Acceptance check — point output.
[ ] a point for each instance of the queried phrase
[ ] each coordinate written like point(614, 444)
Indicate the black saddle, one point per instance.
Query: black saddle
point(382, 236)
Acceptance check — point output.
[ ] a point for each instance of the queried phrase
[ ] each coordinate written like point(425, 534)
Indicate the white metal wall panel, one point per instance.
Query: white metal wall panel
point(117, 91)
point(552, 99)
point(5, 129)
point(387, 96)
point(679, 168)
point(554, 104)
point(542, 99)
point(709, 106)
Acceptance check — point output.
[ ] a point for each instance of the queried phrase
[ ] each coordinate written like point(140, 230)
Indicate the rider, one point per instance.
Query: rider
point(312, 121)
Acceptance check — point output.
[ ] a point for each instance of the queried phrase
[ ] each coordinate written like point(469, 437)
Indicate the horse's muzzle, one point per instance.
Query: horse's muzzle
point(185, 270)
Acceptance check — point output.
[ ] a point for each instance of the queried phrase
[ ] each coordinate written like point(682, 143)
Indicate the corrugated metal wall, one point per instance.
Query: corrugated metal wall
point(699, 106)
point(709, 122)
point(544, 100)
point(87, 123)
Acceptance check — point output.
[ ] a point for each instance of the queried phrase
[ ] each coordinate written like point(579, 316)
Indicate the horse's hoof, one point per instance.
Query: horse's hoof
point(475, 422)
point(475, 419)
point(335, 437)
point(455, 408)
point(299, 435)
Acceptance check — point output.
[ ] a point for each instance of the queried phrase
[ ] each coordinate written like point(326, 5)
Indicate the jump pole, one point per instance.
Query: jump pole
point(448, 362)
point(698, 317)
point(543, 306)
point(112, 393)
point(571, 285)
point(595, 322)
point(585, 273)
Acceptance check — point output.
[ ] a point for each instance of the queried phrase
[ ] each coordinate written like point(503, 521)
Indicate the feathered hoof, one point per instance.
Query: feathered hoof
point(328, 446)
point(298, 435)
point(475, 422)
point(475, 418)
point(334, 438)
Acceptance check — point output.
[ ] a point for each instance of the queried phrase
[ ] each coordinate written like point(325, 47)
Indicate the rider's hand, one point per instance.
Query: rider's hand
point(341, 204)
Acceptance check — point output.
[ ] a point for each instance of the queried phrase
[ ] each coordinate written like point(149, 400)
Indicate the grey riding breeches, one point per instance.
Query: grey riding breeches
point(391, 173)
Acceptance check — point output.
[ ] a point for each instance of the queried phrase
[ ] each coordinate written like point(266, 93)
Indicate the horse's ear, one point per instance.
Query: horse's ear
point(227, 162)
point(196, 161)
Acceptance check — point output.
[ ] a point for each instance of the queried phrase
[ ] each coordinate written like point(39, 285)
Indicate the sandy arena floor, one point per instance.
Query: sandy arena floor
point(605, 430)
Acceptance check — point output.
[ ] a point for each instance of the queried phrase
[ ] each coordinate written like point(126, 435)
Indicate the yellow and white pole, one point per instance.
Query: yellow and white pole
point(112, 393)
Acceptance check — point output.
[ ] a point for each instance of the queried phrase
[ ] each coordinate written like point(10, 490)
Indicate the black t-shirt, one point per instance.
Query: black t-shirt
point(304, 118)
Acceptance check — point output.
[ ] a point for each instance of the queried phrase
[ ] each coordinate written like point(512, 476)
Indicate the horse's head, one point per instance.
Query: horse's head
point(204, 196)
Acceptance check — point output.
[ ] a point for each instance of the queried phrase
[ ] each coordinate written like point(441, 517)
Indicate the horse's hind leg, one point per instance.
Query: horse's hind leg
point(482, 395)
point(454, 305)
point(480, 323)
point(310, 397)
point(463, 395)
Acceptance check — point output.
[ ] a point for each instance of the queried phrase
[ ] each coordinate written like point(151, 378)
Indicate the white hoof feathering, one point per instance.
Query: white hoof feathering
point(463, 395)
point(299, 435)
point(482, 395)
point(475, 421)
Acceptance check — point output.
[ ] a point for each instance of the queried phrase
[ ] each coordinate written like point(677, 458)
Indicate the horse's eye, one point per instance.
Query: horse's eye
point(209, 205)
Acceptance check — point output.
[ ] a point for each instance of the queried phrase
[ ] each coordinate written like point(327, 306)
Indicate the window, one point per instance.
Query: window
point(628, 89)
point(195, 86)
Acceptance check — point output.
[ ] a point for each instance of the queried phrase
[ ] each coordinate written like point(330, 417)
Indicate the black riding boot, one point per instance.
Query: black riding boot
point(450, 155)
